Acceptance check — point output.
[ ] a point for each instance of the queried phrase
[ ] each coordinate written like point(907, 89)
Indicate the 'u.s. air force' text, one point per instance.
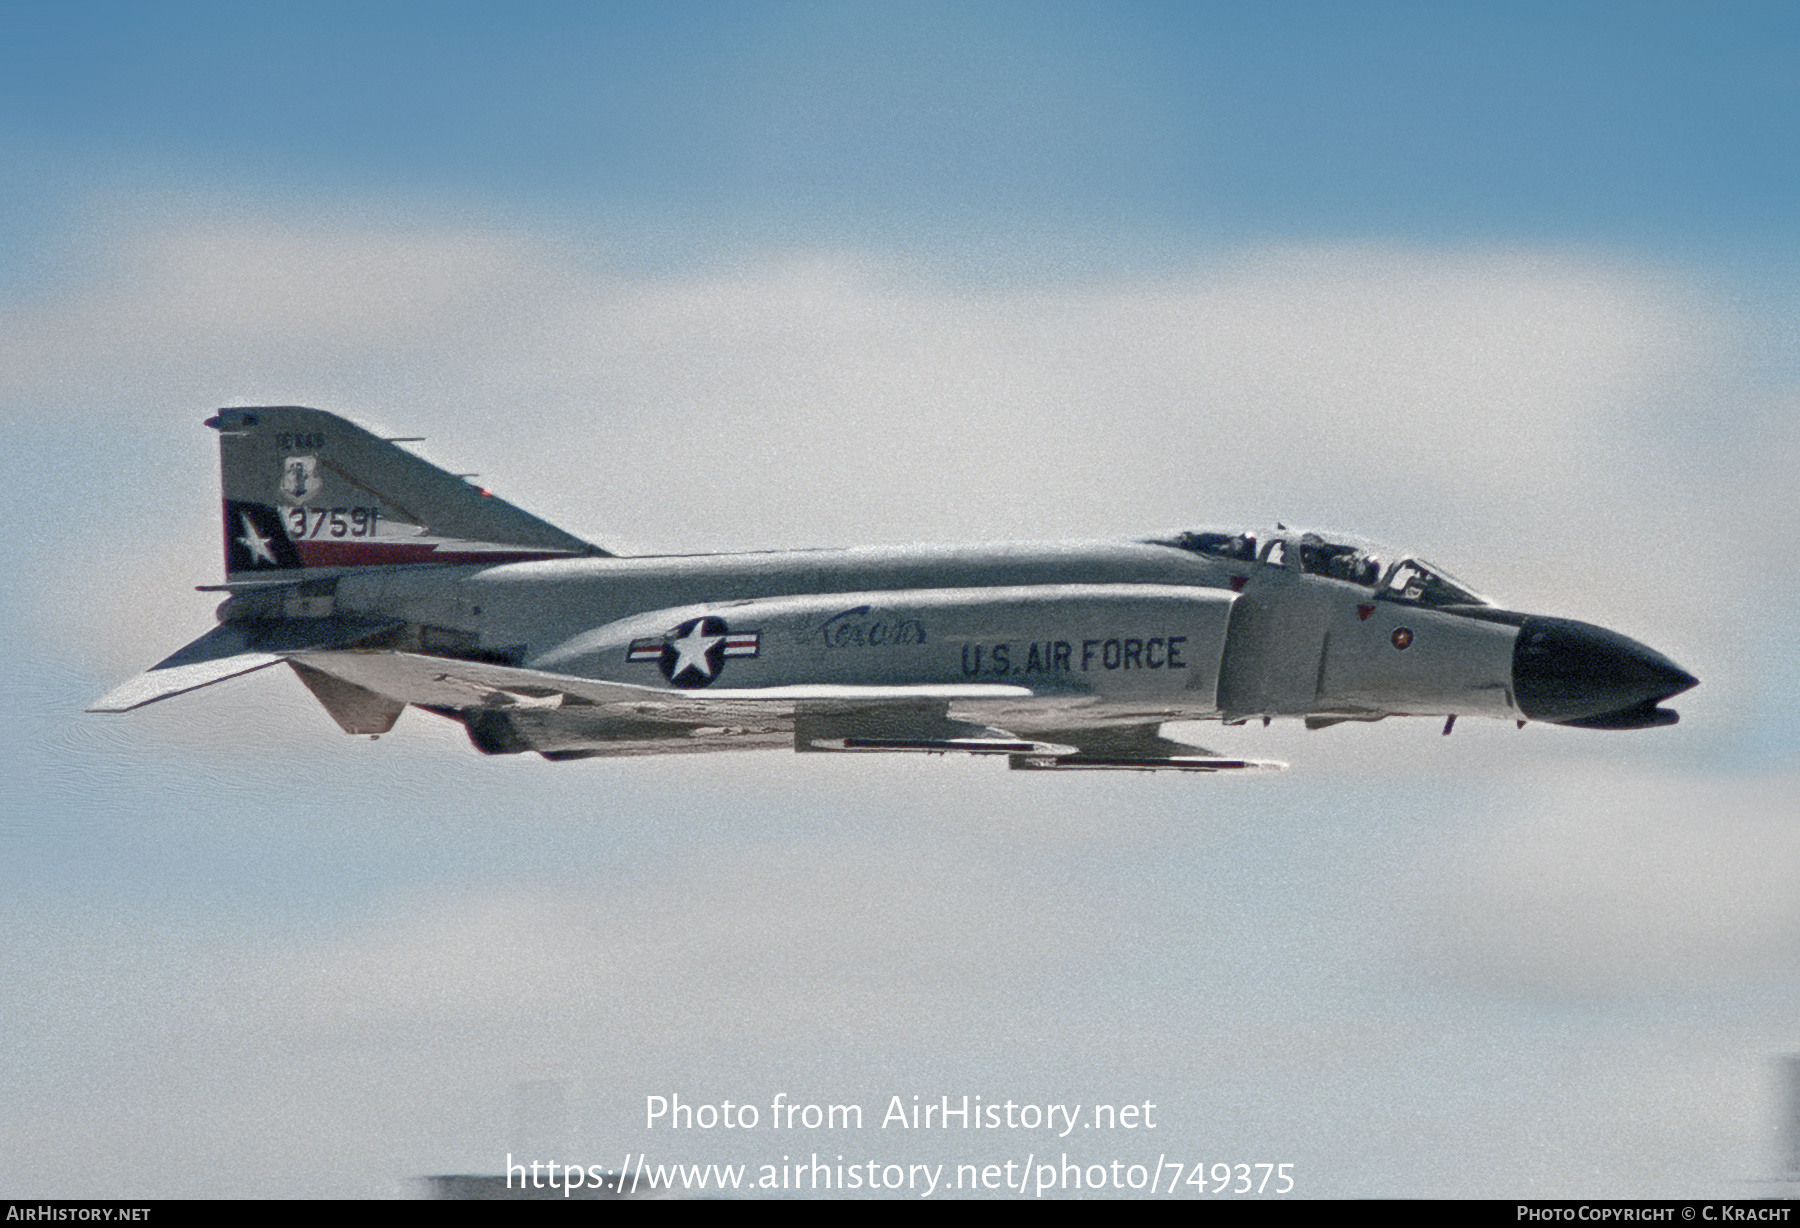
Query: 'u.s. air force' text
point(1074, 656)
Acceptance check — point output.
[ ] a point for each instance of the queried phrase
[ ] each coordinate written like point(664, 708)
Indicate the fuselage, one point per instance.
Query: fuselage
point(387, 583)
point(1302, 625)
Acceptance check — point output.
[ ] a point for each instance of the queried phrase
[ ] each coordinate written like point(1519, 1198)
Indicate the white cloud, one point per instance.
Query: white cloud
point(1516, 413)
point(1609, 883)
point(1524, 414)
point(763, 948)
point(1320, 377)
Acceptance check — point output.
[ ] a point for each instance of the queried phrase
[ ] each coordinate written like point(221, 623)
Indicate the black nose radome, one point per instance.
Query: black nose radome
point(1575, 674)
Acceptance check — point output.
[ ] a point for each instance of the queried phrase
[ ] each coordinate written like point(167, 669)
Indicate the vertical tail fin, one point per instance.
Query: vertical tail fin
point(306, 489)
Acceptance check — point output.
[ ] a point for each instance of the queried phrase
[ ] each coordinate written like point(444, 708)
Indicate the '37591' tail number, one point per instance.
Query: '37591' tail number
point(310, 523)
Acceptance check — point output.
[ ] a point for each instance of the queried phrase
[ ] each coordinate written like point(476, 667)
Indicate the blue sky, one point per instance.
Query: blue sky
point(1514, 285)
point(1603, 123)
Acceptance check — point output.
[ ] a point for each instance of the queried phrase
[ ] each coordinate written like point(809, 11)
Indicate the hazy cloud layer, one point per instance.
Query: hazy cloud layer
point(1604, 886)
point(1456, 948)
point(1498, 408)
point(251, 945)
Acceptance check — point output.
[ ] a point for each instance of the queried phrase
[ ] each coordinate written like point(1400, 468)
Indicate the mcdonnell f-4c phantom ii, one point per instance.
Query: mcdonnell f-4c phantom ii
point(384, 581)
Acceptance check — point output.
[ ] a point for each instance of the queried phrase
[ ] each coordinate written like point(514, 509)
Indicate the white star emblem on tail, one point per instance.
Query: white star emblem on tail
point(256, 543)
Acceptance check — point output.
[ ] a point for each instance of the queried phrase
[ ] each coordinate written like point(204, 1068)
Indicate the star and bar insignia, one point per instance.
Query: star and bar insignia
point(693, 654)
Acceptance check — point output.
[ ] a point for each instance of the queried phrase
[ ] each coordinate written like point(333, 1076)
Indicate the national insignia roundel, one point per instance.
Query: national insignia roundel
point(693, 654)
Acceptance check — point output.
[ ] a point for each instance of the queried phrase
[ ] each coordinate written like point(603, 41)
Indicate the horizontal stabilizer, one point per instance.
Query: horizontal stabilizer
point(230, 650)
point(165, 682)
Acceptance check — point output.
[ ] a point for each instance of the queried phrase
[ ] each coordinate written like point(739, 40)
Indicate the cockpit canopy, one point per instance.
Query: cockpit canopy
point(1355, 562)
point(1418, 582)
point(1390, 574)
point(1241, 546)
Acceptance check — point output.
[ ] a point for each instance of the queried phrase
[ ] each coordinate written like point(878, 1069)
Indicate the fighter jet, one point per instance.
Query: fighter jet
point(383, 581)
